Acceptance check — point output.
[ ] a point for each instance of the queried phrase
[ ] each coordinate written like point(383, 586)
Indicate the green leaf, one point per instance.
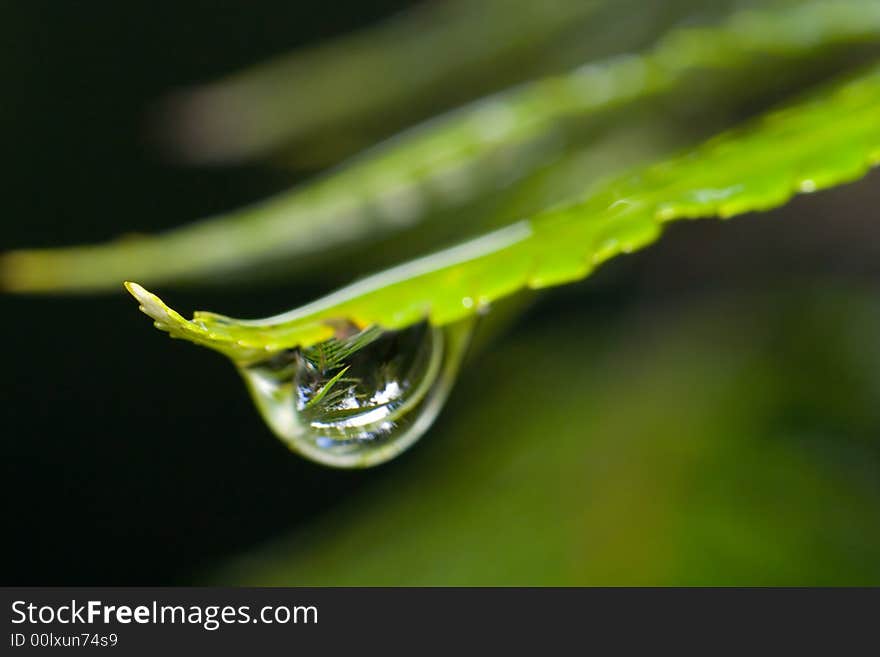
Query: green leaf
point(445, 163)
point(828, 139)
point(304, 99)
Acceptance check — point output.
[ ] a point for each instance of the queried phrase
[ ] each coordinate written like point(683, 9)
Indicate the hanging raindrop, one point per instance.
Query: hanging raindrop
point(360, 398)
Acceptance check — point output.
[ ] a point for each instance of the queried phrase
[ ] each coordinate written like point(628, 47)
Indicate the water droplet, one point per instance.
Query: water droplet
point(807, 185)
point(360, 398)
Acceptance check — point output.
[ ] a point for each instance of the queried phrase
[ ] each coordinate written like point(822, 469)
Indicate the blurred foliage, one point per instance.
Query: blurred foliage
point(728, 441)
point(302, 104)
point(462, 156)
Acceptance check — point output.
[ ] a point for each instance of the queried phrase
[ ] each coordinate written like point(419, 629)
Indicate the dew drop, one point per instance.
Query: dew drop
point(361, 398)
point(807, 185)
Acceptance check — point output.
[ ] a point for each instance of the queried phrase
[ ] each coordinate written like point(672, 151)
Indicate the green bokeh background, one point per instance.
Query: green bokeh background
point(723, 441)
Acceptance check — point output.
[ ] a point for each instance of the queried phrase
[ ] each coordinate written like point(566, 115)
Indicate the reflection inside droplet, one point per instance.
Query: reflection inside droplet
point(360, 398)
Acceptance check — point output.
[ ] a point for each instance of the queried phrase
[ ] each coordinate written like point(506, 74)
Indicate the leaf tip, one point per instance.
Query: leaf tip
point(150, 304)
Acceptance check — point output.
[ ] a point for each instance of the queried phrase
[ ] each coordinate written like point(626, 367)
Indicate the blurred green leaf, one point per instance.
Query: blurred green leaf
point(453, 161)
point(306, 98)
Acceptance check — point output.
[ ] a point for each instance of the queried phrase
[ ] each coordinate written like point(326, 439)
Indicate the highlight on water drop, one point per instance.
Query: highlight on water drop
point(362, 397)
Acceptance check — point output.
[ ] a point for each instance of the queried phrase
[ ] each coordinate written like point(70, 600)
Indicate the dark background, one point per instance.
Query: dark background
point(108, 477)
